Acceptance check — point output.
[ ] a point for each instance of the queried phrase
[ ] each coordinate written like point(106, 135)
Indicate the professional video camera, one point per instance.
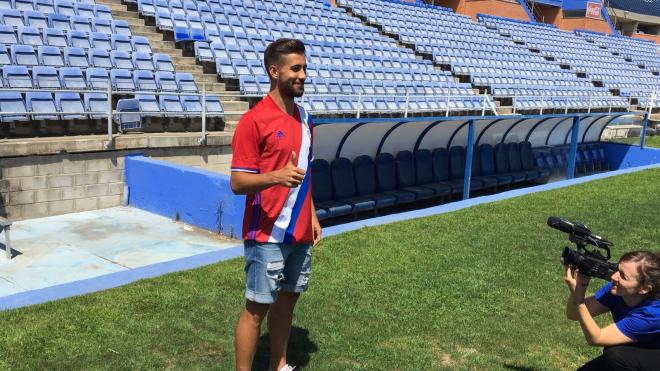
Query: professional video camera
point(590, 263)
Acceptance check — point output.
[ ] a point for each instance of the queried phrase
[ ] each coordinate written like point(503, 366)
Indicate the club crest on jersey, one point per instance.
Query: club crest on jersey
point(279, 134)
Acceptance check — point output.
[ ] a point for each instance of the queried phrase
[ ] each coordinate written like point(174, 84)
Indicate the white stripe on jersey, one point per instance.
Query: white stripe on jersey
point(284, 219)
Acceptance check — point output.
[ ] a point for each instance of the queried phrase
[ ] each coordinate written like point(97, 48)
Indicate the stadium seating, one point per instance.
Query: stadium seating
point(342, 188)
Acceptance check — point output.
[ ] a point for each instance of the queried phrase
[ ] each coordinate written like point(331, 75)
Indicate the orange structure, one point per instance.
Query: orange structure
point(500, 8)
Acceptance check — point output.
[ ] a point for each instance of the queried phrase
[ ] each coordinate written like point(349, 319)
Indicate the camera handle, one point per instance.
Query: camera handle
point(583, 241)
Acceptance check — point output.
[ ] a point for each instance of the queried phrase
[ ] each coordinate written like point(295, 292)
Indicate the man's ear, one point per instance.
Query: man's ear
point(272, 71)
point(645, 289)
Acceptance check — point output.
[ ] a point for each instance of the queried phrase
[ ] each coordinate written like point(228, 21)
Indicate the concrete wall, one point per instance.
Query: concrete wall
point(500, 8)
point(44, 185)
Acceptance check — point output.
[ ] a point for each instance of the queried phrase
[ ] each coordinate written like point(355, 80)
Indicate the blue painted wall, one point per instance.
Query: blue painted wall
point(623, 156)
point(197, 197)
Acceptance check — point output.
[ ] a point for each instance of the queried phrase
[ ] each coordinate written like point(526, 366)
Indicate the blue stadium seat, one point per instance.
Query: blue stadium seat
point(72, 78)
point(457, 169)
point(364, 170)
point(121, 59)
point(191, 103)
point(225, 68)
point(146, 7)
point(12, 102)
point(78, 39)
point(129, 117)
point(54, 37)
point(405, 169)
point(44, 6)
point(81, 23)
point(387, 180)
point(99, 58)
point(24, 5)
point(143, 61)
point(166, 82)
point(75, 57)
point(141, 44)
point(515, 162)
point(171, 106)
point(164, 20)
point(17, 77)
point(29, 36)
point(122, 80)
point(186, 82)
point(163, 62)
point(7, 35)
point(424, 174)
point(96, 102)
point(102, 25)
point(41, 102)
point(103, 12)
point(84, 10)
point(203, 51)
point(98, 78)
point(50, 56)
point(65, 7)
point(181, 33)
point(36, 19)
point(145, 80)
point(476, 173)
point(11, 17)
point(46, 77)
point(214, 106)
point(59, 21)
point(4, 55)
point(488, 168)
point(122, 43)
point(322, 192)
point(100, 40)
point(502, 164)
point(120, 27)
point(149, 104)
point(70, 102)
point(529, 165)
point(343, 184)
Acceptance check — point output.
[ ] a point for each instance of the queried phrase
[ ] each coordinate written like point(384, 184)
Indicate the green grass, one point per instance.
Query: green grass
point(479, 288)
point(653, 141)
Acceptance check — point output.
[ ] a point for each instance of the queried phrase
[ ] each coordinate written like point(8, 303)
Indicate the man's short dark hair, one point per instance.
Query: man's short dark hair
point(280, 47)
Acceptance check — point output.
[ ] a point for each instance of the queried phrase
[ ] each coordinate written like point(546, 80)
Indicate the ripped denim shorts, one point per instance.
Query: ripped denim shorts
point(271, 267)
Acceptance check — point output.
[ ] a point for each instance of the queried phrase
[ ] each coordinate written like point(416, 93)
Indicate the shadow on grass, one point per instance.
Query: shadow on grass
point(298, 353)
point(518, 368)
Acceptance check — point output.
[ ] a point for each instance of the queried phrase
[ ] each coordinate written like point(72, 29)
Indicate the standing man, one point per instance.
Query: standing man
point(272, 151)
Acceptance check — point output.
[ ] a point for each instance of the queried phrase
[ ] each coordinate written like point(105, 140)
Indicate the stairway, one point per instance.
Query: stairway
point(208, 81)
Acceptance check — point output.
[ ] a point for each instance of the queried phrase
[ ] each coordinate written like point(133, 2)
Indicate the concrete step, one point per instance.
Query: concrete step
point(118, 7)
point(109, 2)
point(189, 68)
point(141, 28)
point(179, 59)
point(176, 52)
point(124, 14)
point(134, 22)
point(207, 78)
point(160, 44)
point(232, 106)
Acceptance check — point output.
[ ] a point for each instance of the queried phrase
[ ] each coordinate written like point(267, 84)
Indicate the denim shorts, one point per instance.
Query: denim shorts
point(271, 267)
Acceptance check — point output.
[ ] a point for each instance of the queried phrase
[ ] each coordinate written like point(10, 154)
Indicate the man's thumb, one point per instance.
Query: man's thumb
point(293, 158)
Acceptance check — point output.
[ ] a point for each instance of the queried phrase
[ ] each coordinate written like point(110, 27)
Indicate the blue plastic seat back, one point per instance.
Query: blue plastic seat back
point(12, 102)
point(96, 102)
point(129, 116)
point(501, 159)
point(321, 181)
point(148, 103)
point(99, 58)
point(423, 166)
point(457, 162)
point(17, 77)
point(24, 55)
point(364, 171)
point(191, 103)
point(72, 78)
point(343, 182)
point(143, 61)
point(163, 62)
point(75, 57)
point(513, 153)
point(527, 156)
point(46, 77)
point(54, 37)
point(41, 102)
point(50, 56)
point(440, 165)
point(487, 159)
point(98, 78)
point(405, 169)
point(385, 172)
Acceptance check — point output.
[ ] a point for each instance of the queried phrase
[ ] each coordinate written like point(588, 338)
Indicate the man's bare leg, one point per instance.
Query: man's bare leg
point(247, 333)
point(280, 317)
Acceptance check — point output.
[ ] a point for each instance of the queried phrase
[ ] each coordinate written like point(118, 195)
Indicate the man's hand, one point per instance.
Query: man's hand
point(290, 175)
point(316, 228)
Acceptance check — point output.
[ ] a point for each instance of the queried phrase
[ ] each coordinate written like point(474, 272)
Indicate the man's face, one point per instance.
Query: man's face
point(290, 75)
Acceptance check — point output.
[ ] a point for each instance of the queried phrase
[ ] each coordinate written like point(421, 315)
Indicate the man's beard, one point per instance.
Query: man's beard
point(289, 91)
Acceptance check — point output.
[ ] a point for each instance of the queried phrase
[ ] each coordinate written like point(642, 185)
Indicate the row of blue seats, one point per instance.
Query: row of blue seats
point(74, 78)
point(389, 105)
point(345, 188)
point(78, 57)
point(590, 158)
point(54, 37)
point(64, 7)
point(65, 23)
point(69, 106)
point(572, 102)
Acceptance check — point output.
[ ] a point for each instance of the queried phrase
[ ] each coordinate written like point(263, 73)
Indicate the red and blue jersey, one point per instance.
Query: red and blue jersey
point(263, 142)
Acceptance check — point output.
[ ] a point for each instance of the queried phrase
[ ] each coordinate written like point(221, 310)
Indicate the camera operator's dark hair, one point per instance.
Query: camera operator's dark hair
point(649, 269)
point(279, 47)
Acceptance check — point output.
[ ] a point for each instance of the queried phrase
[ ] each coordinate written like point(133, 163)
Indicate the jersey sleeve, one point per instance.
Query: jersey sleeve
point(640, 324)
point(245, 147)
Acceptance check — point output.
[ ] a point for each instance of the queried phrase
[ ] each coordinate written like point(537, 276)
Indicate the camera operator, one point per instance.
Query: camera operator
point(632, 342)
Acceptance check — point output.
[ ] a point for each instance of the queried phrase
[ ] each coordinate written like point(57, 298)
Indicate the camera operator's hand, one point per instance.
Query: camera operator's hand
point(577, 282)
